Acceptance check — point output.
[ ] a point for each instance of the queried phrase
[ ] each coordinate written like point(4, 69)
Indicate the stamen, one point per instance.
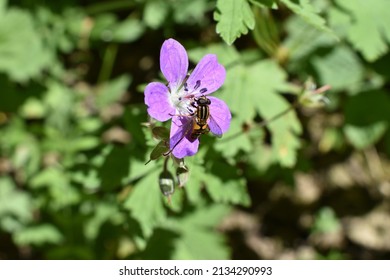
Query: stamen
point(190, 110)
point(203, 90)
point(185, 87)
point(197, 85)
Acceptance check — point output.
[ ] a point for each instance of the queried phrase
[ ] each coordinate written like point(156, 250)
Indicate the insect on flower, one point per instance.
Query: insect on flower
point(199, 124)
point(185, 99)
point(202, 115)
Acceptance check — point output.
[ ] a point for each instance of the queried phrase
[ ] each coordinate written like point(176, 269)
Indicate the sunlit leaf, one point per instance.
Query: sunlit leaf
point(59, 100)
point(303, 39)
point(145, 203)
point(16, 207)
point(15, 60)
point(341, 69)
point(155, 13)
point(308, 13)
point(234, 141)
point(190, 11)
point(222, 182)
point(198, 240)
point(365, 126)
point(128, 30)
point(265, 3)
point(112, 91)
point(57, 183)
point(264, 81)
point(326, 221)
point(368, 27)
point(38, 235)
point(234, 18)
point(103, 213)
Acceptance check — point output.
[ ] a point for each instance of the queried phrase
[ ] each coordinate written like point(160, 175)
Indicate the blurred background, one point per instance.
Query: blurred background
point(303, 172)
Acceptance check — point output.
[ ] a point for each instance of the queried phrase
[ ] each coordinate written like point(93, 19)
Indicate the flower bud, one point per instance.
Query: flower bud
point(312, 96)
point(166, 183)
point(182, 174)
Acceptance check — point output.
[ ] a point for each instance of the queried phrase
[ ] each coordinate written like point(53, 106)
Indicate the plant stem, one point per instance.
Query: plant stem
point(264, 122)
point(108, 62)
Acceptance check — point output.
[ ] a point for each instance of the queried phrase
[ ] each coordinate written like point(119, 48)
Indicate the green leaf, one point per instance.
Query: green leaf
point(112, 91)
point(368, 27)
point(27, 156)
point(83, 143)
point(38, 235)
point(255, 89)
point(101, 29)
point(196, 176)
point(341, 69)
point(326, 221)
point(198, 240)
point(260, 159)
point(308, 13)
point(59, 100)
point(222, 181)
point(265, 79)
point(234, 18)
point(16, 207)
point(18, 63)
point(160, 132)
point(104, 212)
point(190, 11)
point(235, 93)
point(118, 160)
point(234, 140)
point(127, 31)
point(363, 125)
point(303, 39)
point(33, 108)
point(227, 55)
point(133, 117)
point(160, 149)
point(264, 3)
point(61, 193)
point(224, 184)
point(3, 5)
point(155, 13)
point(145, 203)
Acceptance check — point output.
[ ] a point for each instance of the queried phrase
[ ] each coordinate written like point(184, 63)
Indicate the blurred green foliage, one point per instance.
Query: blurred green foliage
point(74, 136)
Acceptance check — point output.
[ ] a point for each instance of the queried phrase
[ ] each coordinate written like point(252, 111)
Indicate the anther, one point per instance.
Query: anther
point(185, 87)
point(197, 85)
point(203, 90)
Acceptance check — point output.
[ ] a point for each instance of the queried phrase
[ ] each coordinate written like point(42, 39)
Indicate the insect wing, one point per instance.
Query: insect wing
point(220, 116)
point(214, 127)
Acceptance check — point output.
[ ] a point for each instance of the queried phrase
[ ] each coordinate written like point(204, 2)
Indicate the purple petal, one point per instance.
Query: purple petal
point(173, 62)
point(208, 75)
point(156, 98)
point(180, 137)
point(220, 116)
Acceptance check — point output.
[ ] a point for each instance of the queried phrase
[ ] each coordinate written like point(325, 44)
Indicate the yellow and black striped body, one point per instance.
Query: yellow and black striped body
point(202, 115)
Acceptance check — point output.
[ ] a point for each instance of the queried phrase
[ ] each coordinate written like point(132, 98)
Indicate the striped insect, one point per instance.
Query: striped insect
point(202, 115)
point(200, 120)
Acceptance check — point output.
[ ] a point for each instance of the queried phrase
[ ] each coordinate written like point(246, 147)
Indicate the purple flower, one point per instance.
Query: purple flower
point(176, 100)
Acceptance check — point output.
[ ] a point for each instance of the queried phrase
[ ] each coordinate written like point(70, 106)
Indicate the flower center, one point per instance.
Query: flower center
point(182, 98)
